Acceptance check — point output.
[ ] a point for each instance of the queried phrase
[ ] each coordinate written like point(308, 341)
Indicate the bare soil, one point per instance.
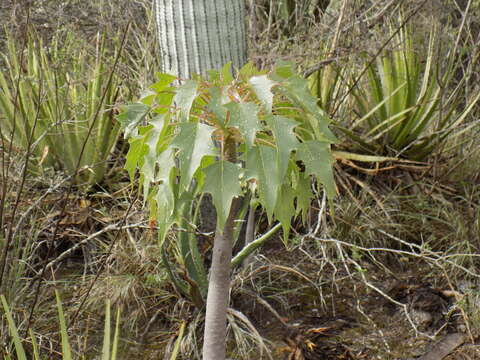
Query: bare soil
point(401, 312)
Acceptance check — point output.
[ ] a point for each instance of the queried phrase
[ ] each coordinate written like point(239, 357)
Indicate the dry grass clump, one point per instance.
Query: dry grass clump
point(410, 226)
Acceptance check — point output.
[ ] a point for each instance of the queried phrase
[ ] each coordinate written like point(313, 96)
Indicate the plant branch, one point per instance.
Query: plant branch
point(254, 245)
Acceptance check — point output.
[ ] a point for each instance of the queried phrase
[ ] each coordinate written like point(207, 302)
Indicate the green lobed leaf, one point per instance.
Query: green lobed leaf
point(304, 195)
point(184, 97)
point(318, 160)
point(244, 116)
point(261, 166)
point(284, 69)
point(164, 102)
point(249, 70)
point(213, 76)
point(131, 117)
point(135, 155)
point(226, 72)
point(164, 209)
point(164, 81)
point(223, 182)
point(152, 159)
point(285, 140)
point(296, 89)
point(262, 86)
point(194, 142)
point(215, 105)
point(285, 209)
point(166, 162)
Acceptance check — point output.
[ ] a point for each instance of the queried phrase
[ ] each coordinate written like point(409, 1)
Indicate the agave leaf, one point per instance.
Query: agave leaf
point(378, 107)
point(178, 342)
point(116, 336)
point(389, 124)
point(13, 331)
point(66, 351)
point(361, 157)
point(179, 284)
point(401, 102)
point(56, 108)
point(254, 245)
point(106, 333)
point(36, 354)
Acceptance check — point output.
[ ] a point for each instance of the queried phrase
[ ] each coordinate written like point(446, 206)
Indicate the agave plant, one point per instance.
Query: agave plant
point(109, 348)
point(403, 106)
point(327, 80)
point(51, 103)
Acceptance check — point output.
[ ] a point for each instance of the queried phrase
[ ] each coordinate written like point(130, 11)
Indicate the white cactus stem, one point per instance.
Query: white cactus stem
point(200, 35)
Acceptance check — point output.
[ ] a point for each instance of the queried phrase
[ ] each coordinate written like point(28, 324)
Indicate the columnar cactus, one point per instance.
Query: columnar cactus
point(200, 35)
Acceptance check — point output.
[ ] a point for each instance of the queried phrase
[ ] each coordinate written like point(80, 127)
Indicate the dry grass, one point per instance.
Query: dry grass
point(419, 229)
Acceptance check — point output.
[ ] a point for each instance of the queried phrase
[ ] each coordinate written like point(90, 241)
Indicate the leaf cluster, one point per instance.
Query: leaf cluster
point(182, 140)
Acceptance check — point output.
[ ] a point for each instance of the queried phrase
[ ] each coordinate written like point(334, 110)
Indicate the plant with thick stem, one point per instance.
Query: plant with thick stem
point(258, 135)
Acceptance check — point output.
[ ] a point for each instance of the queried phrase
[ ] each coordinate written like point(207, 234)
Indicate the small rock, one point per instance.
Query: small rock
point(421, 317)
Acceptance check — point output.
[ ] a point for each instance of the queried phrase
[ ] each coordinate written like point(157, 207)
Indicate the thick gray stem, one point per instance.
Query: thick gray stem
point(200, 35)
point(219, 291)
point(215, 336)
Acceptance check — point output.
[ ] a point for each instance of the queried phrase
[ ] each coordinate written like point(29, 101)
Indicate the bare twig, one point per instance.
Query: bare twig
point(27, 212)
point(319, 65)
point(111, 227)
